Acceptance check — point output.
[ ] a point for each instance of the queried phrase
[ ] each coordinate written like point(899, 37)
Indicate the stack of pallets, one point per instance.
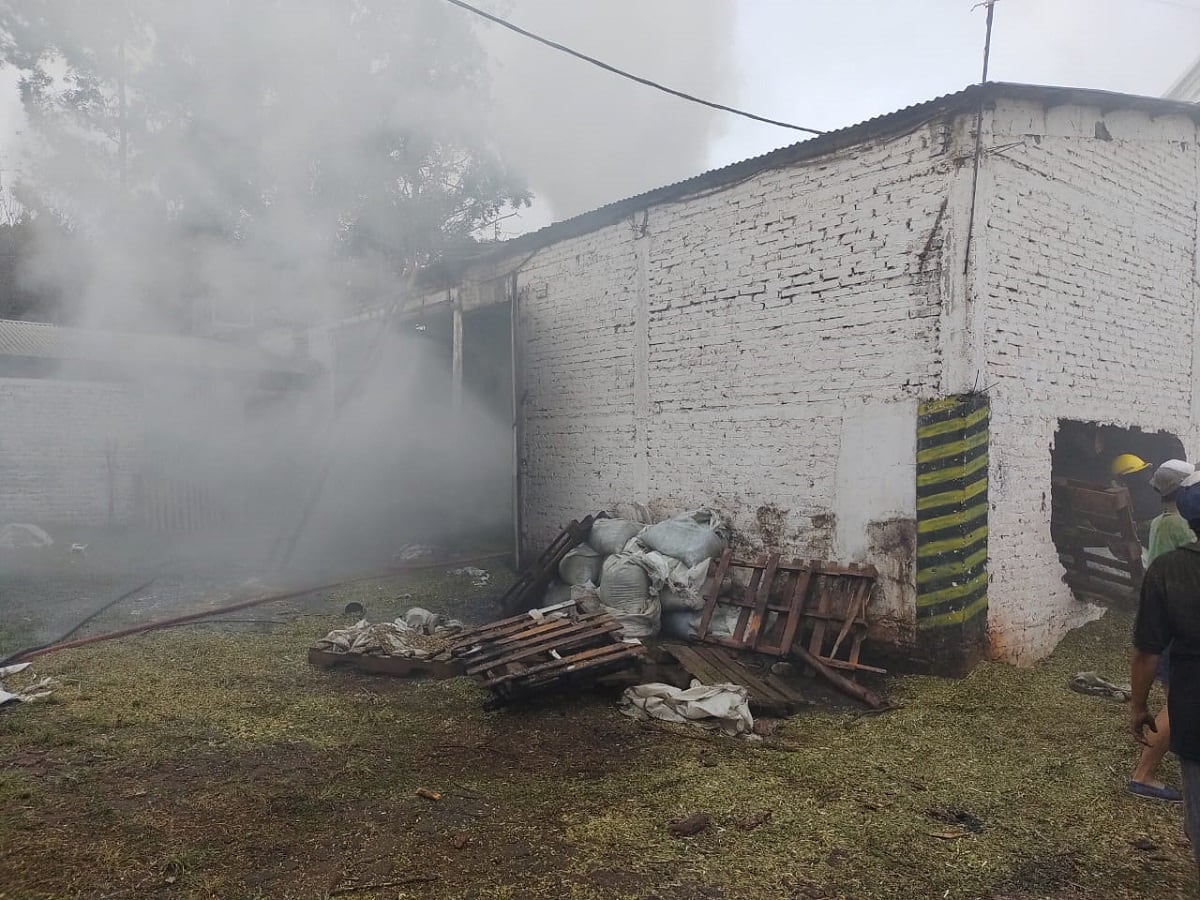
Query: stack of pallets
point(549, 649)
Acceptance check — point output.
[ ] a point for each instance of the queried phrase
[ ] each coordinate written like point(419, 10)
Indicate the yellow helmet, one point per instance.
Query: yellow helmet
point(1127, 464)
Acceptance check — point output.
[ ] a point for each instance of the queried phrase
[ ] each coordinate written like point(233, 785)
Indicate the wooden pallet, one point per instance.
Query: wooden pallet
point(823, 602)
point(547, 649)
point(440, 666)
point(769, 694)
point(1096, 537)
point(530, 587)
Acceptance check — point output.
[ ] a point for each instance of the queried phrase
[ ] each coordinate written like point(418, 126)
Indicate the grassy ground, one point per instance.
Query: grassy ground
point(209, 763)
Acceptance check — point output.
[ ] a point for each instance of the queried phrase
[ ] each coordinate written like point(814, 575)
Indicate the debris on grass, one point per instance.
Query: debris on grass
point(30, 692)
point(479, 577)
point(690, 825)
point(118, 757)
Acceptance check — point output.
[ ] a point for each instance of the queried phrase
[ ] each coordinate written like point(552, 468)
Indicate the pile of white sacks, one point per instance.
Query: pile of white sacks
point(649, 577)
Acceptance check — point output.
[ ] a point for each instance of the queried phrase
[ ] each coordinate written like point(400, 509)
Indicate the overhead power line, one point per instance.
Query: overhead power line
point(639, 79)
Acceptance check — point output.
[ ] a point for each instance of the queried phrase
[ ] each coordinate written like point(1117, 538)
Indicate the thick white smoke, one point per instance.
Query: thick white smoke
point(585, 137)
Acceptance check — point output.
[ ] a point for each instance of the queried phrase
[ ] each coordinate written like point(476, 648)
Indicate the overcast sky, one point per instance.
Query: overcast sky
point(821, 63)
point(831, 63)
point(585, 137)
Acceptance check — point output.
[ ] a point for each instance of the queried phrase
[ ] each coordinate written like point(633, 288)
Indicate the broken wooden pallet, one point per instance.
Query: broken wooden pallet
point(1093, 528)
point(544, 650)
point(769, 694)
point(530, 587)
point(440, 666)
point(781, 603)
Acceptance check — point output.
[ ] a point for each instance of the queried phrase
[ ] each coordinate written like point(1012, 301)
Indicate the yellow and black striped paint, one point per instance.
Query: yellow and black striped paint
point(952, 512)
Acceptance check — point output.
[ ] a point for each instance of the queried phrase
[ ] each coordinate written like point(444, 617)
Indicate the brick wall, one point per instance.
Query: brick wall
point(64, 446)
point(1086, 254)
point(720, 350)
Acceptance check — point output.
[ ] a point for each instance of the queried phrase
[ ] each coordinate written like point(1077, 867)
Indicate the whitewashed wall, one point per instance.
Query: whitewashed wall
point(64, 447)
point(1087, 251)
point(760, 350)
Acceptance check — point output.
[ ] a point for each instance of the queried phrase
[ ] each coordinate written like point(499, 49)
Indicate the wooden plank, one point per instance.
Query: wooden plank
point(747, 605)
point(856, 570)
point(397, 666)
point(1086, 501)
point(518, 633)
point(849, 666)
point(531, 584)
point(494, 630)
point(1122, 579)
point(824, 605)
point(693, 663)
point(567, 663)
point(856, 649)
point(799, 602)
point(736, 673)
point(764, 694)
point(712, 666)
point(597, 668)
point(759, 614)
point(552, 638)
point(1108, 562)
point(558, 641)
point(1104, 588)
point(712, 594)
point(490, 634)
point(859, 593)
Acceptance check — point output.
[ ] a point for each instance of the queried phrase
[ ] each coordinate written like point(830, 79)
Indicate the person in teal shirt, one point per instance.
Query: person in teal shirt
point(1168, 531)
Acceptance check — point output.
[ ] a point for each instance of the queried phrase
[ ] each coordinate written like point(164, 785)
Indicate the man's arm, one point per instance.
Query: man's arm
point(1151, 635)
point(1142, 671)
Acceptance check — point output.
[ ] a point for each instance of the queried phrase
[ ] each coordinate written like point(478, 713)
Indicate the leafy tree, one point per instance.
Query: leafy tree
point(287, 149)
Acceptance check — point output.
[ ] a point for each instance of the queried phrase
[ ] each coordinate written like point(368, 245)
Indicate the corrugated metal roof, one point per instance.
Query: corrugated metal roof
point(898, 122)
point(39, 340)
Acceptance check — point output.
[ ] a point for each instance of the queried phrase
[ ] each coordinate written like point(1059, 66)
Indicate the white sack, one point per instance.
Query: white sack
point(632, 512)
point(684, 624)
point(684, 586)
point(629, 586)
point(610, 535)
point(692, 537)
point(719, 706)
point(581, 566)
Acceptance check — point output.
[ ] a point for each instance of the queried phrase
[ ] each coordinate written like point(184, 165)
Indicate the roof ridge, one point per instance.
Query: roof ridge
point(830, 142)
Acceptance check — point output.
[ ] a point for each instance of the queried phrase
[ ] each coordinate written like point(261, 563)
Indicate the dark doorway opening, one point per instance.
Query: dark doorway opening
point(1085, 451)
point(1100, 516)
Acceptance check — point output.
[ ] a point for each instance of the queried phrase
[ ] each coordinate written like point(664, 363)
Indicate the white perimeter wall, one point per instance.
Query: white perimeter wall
point(1087, 251)
point(760, 350)
point(57, 440)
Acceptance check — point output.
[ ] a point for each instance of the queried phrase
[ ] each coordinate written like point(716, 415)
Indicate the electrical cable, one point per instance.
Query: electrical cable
point(562, 48)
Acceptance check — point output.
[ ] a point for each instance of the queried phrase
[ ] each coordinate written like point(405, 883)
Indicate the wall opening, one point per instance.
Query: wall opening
point(1085, 452)
point(1100, 518)
point(488, 395)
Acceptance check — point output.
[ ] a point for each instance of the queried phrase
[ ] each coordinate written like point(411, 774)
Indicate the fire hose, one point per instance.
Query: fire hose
point(41, 650)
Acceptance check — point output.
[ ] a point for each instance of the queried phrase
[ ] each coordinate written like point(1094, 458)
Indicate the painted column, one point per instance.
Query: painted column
point(952, 530)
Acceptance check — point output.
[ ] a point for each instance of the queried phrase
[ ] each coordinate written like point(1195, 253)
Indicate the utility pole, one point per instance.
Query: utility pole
point(987, 55)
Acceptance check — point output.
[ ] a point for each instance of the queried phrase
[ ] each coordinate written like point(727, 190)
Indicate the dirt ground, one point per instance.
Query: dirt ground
point(213, 762)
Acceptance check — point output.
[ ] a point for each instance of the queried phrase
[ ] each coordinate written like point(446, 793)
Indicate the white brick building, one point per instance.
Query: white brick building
point(103, 428)
point(769, 339)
